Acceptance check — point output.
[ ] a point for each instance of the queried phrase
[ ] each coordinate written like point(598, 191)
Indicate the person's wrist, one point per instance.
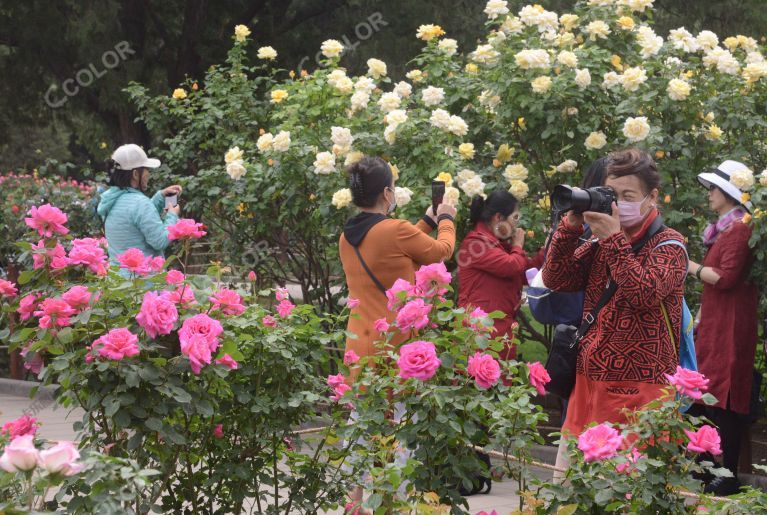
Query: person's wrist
point(430, 221)
point(698, 272)
point(445, 216)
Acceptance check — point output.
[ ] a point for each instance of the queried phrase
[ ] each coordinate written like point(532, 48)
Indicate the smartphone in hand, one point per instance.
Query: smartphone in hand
point(437, 194)
point(171, 201)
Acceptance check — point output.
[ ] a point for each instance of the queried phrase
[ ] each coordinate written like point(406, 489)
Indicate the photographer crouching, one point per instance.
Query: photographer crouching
point(632, 273)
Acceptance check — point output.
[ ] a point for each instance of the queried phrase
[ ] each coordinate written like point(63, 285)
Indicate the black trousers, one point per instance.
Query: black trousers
point(730, 426)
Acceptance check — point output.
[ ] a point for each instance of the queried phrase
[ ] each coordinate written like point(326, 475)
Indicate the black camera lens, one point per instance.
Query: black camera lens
point(599, 199)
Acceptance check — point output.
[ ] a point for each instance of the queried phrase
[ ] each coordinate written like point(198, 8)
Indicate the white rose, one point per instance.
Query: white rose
point(331, 48)
point(496, 8)
point(403, 89)
point(728, 64)
point(755, 71)
point(432, 96)
point(335, 76)
point(360, 100)
point(376, 68)
point(541, 84)
point(583, 78)
point(530, 59)
point(711, 57)
point(637, 5)
point(233, 154)
point(267, 52)
point(569, 21)
point(754, 57)
point(515, 172)
point(681, 39)
point(473, 186)
point(610, 80)
point(341, 136)
point(342, 198)
point(465, 175)
point(650, 42)
point(484, 54)
point(281, 142)
point(707, 39)
point(264, 142)
point(390, 134)
point(489, 100)
point(440, 118)
point(344, 85)
point(414, 75)
point(632, 78)
point(352, 157)
point(241, 32)
point(452, 195)
point(389, 101)
point(678, 89)
point(235, 169)
point(496, 38)
point(519, 189)
point(396, 117)
point(402, 196)
point(742, 179)
point(597, 29)
point(673, 61)
point(596, 140)
point(512, 25)
point(763, 178)
point(457, 126)
point(324, 163)
point(636, 129)
point(364, 84)
point(567, 166)
point(567, 58)
point(448, 46)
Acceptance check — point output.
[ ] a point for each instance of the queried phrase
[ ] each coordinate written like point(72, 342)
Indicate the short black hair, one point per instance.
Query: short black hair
point(368, 177)
point(117, 176)
point(499, 201)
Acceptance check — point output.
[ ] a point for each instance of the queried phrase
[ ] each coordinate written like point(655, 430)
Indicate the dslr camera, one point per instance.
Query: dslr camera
point(598, 199)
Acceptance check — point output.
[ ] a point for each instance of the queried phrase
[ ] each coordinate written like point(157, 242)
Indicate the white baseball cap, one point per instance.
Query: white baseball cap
point(720, 177)
point(131, 156)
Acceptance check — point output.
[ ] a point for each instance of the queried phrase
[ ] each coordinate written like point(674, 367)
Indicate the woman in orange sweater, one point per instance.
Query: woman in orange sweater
point(376, 250)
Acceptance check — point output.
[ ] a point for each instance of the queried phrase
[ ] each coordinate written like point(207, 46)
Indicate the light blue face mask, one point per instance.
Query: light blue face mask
point(631, 212)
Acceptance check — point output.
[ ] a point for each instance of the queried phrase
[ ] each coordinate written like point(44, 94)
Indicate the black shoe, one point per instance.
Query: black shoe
point(723, 486)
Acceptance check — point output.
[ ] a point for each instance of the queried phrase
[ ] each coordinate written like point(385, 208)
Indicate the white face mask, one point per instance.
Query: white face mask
point(631, 212)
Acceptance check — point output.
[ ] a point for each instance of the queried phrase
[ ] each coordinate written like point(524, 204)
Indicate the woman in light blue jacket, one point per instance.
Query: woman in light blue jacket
point(131, 219)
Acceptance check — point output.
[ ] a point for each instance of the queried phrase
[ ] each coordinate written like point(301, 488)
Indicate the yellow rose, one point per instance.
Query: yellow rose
point(569, 21)
point(596, 140)
point(709, 117)
point(545, 202)
point(519, 189)
point(233, 154)
point(521, 122)
point(745, 197)
point(541, 84)
point(713, 133)
point(429, 32)
point(240, 33)
point(615, 60)
point(667, 199)
point(376, 68)
point(278, 95)
point(626, 22)
point(445, 177)
point(659, 154)
point(394, 171)
point(466, 150)
point(417, 75)
point(179, 94)
point(331, 48)
point(747, 218)
point(268, 53)
point(731, 43)
point(471, 68)
point(103, 145)
point(636, 129)
point(342, 198)
point(504, 153)
point(678, 89)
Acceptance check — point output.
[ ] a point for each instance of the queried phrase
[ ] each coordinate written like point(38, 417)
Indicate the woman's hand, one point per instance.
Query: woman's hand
point(176, 210)
point(174, 189)
point(603, 225)
point(446, 208)
point(430, 214)
point(574, 219)
point(518, 238)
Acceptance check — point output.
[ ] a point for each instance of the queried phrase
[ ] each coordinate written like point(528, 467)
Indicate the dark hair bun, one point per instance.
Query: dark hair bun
point(499, 201)
point(368, 178)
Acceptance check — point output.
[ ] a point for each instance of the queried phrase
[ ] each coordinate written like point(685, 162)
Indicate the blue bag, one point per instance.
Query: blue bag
point(554, 308)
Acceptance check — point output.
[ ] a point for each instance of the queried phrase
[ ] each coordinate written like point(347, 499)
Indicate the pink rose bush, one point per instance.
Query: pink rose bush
point(117, 344)
point(228, 302)
point(62, 458)
point(269, 321)
point(218, 431)
point(476, 318)
point(158, 314)
point(338, 384)
point(8, 289)
point(27, 306)
point(227, 361)
point(174, 277)
point(135, 262)
point(418, 360)
point(199, 340)
point(20, 455)
point(381, 325)
point(78, 298)
point(539, 377)
point(631, 459)
point(688, 382)
point(186, 229)
point(53, 313)
point(705, 439)
point(47, 220)
point(399, 290)
point(352, 303)
point(24, 425)
point(484, 369)
point(431, 280)
point(285, 308)
point(413, 315)
point(90, 253)
point(600, 442)
point(350, 357)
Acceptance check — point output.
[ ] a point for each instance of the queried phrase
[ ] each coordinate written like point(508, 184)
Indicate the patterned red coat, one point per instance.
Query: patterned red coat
point(622, 359)
point(727, 334)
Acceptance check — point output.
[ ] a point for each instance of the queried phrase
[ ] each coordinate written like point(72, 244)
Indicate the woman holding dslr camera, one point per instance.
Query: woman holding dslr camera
point(627, 349)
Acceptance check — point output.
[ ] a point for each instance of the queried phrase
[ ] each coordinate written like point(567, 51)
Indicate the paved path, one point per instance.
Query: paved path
point(56, 424)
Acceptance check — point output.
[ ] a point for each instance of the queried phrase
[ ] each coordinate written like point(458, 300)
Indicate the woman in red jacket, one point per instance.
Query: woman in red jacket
point(492, 262)
point(727, 333)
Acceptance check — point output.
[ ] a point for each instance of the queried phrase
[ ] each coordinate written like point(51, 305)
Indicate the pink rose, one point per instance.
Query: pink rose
point(227, 361)
point(628, 466)
point(228, 301)
point(484, 369)
point(539, 377)
point(201, 325)
point(42, 256)
point(174, 277)
point(269, 321)
point(281, 294)
point(393, 293)
point(252, 276)
point(158, 314)
point(24, 425)
point(157, 263)
point(89, 252)
point(335, 380)
point(54, 312)
point(134, 261)
point(352, 303)
point(339, 391)
point(8, 289)
point(350, 357)
point(419, 360)
point(27, 306)
point(196, 348)
point(483, 512)
point(381, 325)
point(218, 431)
point(34, 365)
point(430, 280)
point(688, 382)
point(117, 344)
point(476, 317)
point(285, 308)
point(705, 439)
point(61, 459)
point(20, 455)
point(599, 442)
point(47, 220)
point(78, 298)
point(182, 296)
point(413, 315)
point(186, 229)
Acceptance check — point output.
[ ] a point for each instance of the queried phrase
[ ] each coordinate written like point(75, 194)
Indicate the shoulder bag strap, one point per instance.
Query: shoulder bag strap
point(369, 272)
point(670, 330)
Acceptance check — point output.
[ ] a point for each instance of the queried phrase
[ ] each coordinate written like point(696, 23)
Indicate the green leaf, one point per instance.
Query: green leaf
point(709, 399)
point(153, 424)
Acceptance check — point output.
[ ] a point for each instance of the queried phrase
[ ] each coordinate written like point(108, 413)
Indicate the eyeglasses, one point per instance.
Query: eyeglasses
point(515, 217)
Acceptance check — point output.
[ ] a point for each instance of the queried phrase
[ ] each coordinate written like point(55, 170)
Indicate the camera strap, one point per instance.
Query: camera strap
point(369, 272)
point(656, 227)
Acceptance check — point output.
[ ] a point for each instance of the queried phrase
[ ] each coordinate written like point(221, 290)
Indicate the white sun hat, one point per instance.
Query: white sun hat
point(131, 156)
point(720, 177)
